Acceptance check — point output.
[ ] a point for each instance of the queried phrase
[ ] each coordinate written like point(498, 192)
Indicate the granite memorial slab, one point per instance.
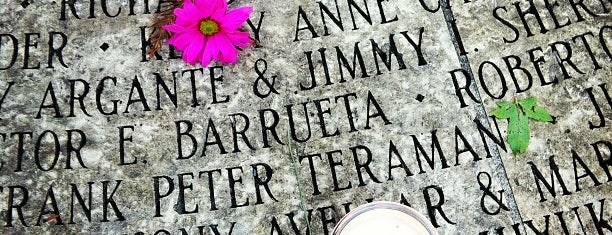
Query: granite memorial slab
point(338, 103)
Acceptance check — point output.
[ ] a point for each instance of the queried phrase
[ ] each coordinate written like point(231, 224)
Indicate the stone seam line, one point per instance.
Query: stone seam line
point(481, 113)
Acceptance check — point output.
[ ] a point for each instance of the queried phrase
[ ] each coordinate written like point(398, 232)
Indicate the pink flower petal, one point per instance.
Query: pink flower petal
point(218, 14)
point(227, 51)
point(220, 46)
point(229, 57)
point(188, 15)
point(240, 39)
point(181, 40)
point(209, 51)
point(175, 28)
point(235, 18)
point(219, 4)
point(205, 8)
point(194, 51)
point(214, 46)
point(190, 8)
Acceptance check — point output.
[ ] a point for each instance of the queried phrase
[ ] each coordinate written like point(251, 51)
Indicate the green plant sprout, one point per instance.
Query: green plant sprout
point(518, 113)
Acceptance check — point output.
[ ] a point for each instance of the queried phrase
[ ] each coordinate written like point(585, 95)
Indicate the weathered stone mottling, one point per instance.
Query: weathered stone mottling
point(410, 111)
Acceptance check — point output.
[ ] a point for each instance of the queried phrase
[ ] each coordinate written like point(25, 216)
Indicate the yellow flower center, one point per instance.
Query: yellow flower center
point(209, 27)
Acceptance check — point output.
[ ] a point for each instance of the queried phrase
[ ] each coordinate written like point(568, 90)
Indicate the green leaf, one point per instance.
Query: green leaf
point(535, 112)
point(528, 104)
point(518, 132)
point(540, 114)
point(518, 114)
point(504, 109)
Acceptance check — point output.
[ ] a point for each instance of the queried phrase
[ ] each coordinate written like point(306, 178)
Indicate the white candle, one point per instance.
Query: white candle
point(384, 218)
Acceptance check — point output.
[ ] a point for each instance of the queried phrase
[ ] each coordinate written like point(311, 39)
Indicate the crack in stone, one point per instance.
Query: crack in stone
point(298, 177)
point(481, 113)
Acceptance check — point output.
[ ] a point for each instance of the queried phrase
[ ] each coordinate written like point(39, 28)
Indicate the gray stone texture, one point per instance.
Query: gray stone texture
point(409, 110)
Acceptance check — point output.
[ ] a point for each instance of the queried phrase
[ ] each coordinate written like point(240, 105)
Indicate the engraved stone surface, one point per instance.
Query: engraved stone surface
point(341, 102)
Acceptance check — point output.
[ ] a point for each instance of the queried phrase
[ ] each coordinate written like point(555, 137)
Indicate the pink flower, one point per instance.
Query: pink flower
point(205, 30)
